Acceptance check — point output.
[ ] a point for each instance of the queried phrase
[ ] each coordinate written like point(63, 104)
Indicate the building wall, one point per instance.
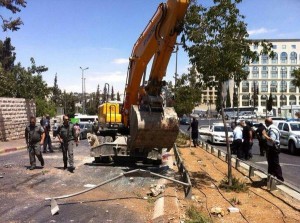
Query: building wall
point(14, 116)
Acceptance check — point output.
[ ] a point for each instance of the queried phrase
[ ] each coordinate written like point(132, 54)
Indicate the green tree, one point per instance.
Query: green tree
point(104, 95)
point(7, 55)
point(228, 99)
point(269, 103)
point(235, 98)
point(14, 6)
point(118, 96)
point(97, 98)
point(56, 93)
point(217, 43)
point(296, 75)
point(112, 95)
point(187, 92)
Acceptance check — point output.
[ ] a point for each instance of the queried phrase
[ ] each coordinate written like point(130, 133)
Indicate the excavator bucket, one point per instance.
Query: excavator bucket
point(149, 130)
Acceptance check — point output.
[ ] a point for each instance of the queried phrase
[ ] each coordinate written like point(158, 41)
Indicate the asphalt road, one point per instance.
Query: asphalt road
point(290, 164)
point(23, 191)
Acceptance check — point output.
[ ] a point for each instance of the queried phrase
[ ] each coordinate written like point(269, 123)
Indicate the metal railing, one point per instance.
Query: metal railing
point(272, 182)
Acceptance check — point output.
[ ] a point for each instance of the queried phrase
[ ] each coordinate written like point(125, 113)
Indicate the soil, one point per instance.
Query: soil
point(257, 204)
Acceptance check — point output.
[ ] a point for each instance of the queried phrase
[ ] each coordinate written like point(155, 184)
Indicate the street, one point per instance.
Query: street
point(290, 164)
point(23, 191)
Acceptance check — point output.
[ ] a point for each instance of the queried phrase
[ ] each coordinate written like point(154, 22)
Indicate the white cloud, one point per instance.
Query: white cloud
point(121, 61)
point(260, 31)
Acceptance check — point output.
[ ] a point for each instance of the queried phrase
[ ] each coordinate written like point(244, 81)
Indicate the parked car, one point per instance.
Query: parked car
point(85, 128)
point(247, 115)
point(216, 134)
point(184, 121)
point(290, 135)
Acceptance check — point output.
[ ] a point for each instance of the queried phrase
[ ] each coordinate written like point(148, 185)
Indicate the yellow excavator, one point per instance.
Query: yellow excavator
point(149, 126)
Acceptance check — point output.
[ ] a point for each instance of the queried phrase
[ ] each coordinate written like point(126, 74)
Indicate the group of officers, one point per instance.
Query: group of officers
point(35, 136)
point(268, 136)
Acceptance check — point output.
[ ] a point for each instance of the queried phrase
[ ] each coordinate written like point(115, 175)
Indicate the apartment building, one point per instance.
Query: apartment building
point(268, 75)
point(272, 75)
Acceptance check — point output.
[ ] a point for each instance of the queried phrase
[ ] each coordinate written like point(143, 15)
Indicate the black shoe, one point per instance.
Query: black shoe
point(71, 169)
point(65, 167)
point(31, 167)
point(44, 151)
point(42, 162)
point(51, 151)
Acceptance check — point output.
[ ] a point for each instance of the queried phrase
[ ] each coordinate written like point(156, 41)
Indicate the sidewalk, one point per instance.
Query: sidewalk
point(19, 144)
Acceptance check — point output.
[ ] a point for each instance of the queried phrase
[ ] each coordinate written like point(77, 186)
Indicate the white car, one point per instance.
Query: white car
point(216, 134)
point(290, 135)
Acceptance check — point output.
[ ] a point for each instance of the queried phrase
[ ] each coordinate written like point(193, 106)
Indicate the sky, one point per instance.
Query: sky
point(65, 35)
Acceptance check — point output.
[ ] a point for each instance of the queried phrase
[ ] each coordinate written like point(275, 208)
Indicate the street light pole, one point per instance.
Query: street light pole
point(83, 88)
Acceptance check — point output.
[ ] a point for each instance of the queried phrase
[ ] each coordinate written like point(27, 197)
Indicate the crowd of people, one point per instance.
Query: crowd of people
point(268, 137)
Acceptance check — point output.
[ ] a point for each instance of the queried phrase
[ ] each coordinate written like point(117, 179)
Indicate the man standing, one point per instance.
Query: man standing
point(45, 122)
point(273, 142)
point(195, 132)
point(67, 137)
point(237, 140)
point(261, 139)
point(34, 136)
point(247, 141)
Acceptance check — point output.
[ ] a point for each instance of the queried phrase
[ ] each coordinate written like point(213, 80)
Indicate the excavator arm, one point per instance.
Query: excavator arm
point(156, 41)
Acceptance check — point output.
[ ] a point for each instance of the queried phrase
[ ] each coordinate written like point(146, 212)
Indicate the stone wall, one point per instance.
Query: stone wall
point(14, 116)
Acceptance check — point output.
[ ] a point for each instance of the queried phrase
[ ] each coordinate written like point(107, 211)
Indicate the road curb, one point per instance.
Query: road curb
point(13, 149)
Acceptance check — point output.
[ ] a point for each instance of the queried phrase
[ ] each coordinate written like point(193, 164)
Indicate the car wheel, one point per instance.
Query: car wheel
point(292, 147)
point(81, 136)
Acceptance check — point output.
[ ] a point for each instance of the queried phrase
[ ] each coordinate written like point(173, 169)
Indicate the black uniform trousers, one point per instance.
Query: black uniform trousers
point(274, 167)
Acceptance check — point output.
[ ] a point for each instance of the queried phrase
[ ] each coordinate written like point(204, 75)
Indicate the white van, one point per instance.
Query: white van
point(85, 119)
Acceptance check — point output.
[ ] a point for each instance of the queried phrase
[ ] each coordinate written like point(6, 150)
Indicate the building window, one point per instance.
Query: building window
point(274, 72)
point(264, 86)
point(273, 86)
point(254, 85)
point(292, 100)
point(293, 46)
point(293, 57)
point(274, 47)
point(245, 86)
point(282, 100)
point(245, 100)
point(255, 61)
point(255, 72)
point(283, 86)
point(283, 46)
point(264, 59)
point(283, 72)
point(263, 100)
point(283, 57)
point(275, 59)
point(264, 72)
point(292, 87)
point(255, 47)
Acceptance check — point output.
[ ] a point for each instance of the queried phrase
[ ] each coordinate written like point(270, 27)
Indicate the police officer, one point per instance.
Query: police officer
point(34, 136)
point(272, 137)
point(68, 139)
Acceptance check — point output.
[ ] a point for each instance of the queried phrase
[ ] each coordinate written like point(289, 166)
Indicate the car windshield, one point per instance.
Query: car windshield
point(81, 126)
point(221, 129)
point(295, 126)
